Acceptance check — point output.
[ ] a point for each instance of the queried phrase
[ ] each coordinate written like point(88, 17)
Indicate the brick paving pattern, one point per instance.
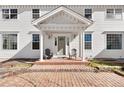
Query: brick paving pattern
point(75, 75)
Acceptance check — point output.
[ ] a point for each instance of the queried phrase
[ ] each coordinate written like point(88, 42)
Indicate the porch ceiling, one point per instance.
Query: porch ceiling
point(62, 19)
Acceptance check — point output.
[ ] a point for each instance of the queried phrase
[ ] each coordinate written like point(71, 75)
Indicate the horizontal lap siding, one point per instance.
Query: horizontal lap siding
point(101, 24)
point(24, 27)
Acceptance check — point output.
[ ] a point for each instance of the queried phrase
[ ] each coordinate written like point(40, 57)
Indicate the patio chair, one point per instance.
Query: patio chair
point(73, 53)
point(48, 54)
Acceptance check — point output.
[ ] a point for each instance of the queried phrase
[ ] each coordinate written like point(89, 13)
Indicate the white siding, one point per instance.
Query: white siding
point(23, 26)
point(101, 24)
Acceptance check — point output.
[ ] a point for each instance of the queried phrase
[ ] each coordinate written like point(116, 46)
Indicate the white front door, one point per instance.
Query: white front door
point(61, 45)
point(61, 50)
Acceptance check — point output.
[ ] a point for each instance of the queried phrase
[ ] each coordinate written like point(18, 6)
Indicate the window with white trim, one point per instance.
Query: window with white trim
point(88, 13)
point(118, 13)
point(114, 41)
point(35, 41)
point(9, 13)
point(35, 13)
point(114, 13)
point(9, 41)
point(88, 41)
point(5, 13)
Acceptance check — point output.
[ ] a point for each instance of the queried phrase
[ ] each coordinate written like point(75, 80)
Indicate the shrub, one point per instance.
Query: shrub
point(122, 68)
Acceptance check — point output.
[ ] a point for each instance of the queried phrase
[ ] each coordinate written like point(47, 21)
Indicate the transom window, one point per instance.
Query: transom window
point(88, 41)
point(114, 13)
point(35, 13)
point(114, 41)
point(9, 41)
point(35, 41)
point(9, 13)
point(88, 13)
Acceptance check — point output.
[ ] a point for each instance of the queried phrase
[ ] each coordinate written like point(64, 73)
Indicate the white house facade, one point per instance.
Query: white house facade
point(95, 31)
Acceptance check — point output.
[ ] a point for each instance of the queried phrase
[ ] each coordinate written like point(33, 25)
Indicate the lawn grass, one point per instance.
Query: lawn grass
point(115, 66)
point(22, 65)
point(17, 63)
point(106, 63)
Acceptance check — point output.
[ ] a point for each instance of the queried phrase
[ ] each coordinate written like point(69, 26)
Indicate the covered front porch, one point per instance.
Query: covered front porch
point(62, 30)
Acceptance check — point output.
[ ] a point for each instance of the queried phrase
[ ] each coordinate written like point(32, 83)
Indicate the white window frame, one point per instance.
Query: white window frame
point(88, 41)
point(14, 14)
point(9, 40)
point(88, 12)
point(34, 41)
point(114, 14)
point(35, 14)
point(110, 41)
point(9, 14)
point(4, 13)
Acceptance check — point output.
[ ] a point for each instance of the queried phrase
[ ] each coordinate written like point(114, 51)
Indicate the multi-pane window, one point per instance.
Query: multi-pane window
point(88, 13)
point(13, 13)
point(35, 41)
point(35, 13)
point(114, 41)
point(5, 13)
point(9, 41)
point(110, 13)
point(114, 13)
point(118, 13)
point(9, 13)
point(88, 41)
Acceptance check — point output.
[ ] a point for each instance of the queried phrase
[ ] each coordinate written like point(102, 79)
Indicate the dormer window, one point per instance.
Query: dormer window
point(9, 13)
point(35, 13)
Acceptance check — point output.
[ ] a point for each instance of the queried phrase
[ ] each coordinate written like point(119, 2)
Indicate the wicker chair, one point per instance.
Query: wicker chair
point(73, 53)
point(48, 54)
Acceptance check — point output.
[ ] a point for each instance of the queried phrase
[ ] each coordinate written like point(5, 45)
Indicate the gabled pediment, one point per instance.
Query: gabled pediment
point(62, 15)
point(62, 18)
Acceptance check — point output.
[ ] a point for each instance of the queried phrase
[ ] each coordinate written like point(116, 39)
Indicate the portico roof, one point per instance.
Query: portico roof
point(77, 18)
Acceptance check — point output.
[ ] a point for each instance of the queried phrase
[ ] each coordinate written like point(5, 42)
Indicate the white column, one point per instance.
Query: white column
point(80, 44)
point(41, 45)
point(82, 47)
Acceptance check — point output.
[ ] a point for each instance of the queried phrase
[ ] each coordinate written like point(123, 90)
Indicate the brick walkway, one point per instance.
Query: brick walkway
point(75, 75)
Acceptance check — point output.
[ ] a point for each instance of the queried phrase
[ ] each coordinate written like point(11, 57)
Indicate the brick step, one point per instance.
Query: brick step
point(59, 63)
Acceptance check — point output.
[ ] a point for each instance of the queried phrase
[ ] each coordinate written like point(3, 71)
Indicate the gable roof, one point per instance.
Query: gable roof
point(65, 9)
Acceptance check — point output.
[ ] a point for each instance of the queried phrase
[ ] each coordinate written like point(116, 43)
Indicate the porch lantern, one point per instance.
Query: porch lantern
point(49, 35)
